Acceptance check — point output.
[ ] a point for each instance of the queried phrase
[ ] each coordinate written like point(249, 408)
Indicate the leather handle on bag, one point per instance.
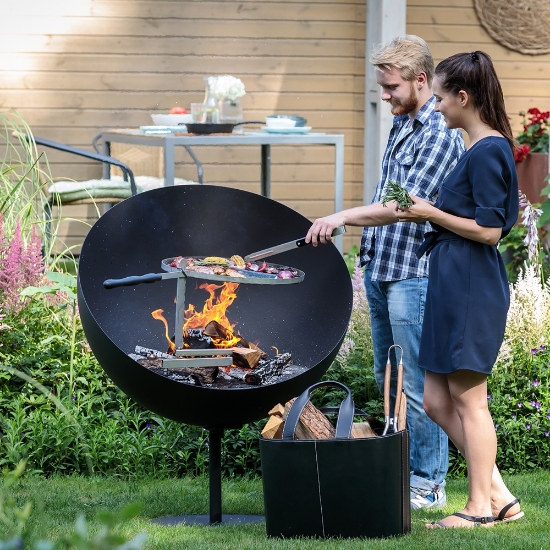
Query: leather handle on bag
point(345, 413)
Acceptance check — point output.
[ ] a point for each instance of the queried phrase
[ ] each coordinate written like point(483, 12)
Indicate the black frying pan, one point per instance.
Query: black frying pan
point(220, 128)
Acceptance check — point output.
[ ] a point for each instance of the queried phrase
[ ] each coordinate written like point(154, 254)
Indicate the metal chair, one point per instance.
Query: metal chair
point(145, 160)
point(84, 192)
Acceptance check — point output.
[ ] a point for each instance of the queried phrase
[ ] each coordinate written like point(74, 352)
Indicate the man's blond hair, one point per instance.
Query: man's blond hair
point(409, 53)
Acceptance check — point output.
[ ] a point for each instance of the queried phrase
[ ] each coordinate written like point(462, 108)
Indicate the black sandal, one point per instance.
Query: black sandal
point(501, 518)
point(477, 520)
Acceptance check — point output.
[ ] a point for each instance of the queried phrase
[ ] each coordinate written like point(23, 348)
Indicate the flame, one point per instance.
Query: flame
point(214, 309)
point(157, 314)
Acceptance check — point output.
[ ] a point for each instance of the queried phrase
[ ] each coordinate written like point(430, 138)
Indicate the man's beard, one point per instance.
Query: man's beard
point(405, 106)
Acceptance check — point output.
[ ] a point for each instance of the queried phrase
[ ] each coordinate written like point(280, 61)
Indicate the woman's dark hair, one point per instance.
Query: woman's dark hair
point(474, 73)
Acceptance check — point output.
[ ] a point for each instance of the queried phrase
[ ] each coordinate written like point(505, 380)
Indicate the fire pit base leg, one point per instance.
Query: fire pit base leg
point(215, 481)
point(215, 474)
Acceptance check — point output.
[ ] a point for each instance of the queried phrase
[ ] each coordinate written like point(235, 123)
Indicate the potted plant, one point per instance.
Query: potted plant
point(532, 154)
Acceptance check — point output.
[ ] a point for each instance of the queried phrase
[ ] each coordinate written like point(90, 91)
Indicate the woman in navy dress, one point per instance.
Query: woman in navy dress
point(468, 294)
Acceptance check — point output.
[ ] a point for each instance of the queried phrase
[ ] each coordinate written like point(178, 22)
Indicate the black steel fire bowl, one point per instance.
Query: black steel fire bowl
point(308, 319)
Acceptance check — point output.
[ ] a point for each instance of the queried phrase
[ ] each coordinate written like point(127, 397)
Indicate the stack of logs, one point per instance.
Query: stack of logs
point(250, 363)
point(313, 424)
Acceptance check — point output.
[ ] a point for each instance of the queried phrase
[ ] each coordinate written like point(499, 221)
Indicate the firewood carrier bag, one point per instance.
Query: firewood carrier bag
point(340, 487)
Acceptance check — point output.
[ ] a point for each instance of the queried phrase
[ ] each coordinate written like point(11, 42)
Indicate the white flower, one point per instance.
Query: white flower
point(227, 86)
point(528, 316)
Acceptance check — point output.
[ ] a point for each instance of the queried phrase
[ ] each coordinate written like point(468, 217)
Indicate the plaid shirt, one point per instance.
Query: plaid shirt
point(418, 156)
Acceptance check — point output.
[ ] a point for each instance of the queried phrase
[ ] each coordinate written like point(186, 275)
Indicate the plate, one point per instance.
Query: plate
point(295, 130)
point(162, 130)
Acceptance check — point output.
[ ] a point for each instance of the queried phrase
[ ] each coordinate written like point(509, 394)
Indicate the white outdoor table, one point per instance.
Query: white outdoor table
point(169, 142)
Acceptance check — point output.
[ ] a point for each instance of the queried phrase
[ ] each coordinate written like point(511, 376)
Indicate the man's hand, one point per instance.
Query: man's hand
point(322, 228)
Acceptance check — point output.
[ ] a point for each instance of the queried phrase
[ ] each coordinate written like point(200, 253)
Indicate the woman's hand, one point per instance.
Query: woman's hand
point(322, 229)
point(419, 212)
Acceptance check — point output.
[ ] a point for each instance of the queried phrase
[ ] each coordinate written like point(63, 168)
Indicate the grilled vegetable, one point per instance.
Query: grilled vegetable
point(216, 260)
point(239, 262)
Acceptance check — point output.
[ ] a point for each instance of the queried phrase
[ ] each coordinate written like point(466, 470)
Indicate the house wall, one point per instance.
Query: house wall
point(73, 68)
point(452, 26)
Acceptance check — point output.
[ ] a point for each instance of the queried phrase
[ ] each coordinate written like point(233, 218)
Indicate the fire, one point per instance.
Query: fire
point(157, 314)
point(214, 309)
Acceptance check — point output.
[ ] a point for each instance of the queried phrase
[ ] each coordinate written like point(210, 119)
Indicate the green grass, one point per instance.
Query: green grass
point(59, 500)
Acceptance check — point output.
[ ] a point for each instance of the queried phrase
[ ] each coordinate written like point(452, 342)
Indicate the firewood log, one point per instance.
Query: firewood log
point(277, 410)
point(264, 372)
point(246, 358)
point(274, 428)
point(215, 330)
point(362, 430)
point(313, 424)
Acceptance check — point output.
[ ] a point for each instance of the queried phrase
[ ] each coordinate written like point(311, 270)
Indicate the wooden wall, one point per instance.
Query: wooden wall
point(73, 68)
point(452, 26)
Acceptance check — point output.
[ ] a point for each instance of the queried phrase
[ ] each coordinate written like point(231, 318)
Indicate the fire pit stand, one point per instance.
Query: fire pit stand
point(309, 319)
point(215, 481)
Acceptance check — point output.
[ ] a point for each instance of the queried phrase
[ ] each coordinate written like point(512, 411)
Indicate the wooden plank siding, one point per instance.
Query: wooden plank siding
point(452, 26)
point(75, 68)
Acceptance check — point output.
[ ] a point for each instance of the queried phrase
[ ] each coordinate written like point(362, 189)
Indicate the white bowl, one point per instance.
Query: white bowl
point(274, 122)
point(171, 120)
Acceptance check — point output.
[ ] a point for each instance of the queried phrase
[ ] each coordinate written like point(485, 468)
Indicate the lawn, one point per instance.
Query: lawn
point(59, 500)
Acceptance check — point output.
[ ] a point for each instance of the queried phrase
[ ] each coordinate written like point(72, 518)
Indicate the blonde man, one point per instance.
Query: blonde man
point(419, 154)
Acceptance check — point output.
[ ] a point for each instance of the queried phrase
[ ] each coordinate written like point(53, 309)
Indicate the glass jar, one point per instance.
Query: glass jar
point(231, 110)
point(210, 101)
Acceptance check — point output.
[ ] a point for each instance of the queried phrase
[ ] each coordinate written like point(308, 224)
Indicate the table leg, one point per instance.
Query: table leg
point(169, 161)
point(266, 170)
point(339, 185)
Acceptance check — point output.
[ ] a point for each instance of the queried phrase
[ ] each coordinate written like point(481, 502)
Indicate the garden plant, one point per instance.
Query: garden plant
point(61, 414)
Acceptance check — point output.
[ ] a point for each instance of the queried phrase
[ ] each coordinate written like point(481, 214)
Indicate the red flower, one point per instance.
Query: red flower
point(533, 111)
point(521, 153)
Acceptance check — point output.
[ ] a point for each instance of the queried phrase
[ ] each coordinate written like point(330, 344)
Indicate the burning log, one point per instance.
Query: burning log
point(236, 373)
point(198, 375)
point(215, 330)
point(196, 339)
point(149, 352)
point(202, 375)
point(269, 369)
point(246, 358)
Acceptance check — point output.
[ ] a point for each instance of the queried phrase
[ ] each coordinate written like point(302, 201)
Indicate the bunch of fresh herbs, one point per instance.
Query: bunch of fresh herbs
point(394, 191)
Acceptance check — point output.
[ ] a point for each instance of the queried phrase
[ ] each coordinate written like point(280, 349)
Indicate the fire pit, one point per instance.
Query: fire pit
point(308, 320)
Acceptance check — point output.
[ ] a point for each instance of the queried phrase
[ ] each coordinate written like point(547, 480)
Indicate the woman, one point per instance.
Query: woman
point(468, 294)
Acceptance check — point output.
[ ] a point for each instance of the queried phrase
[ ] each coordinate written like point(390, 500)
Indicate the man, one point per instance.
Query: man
point(419, 154)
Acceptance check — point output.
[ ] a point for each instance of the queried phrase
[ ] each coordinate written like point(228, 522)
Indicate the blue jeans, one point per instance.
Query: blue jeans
point(397, 312)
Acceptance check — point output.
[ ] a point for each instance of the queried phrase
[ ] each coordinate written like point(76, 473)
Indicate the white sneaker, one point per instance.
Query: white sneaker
point(421, 498)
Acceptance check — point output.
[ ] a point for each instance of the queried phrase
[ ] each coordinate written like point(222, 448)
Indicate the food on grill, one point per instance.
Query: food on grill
point(239, 262)
point(233, 267)
point(216, 260)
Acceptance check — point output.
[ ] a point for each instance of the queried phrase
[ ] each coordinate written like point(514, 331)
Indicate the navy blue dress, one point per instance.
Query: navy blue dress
point(468, 294)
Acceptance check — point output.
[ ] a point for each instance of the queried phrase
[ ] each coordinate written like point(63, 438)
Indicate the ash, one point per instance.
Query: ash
point(264, 374)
